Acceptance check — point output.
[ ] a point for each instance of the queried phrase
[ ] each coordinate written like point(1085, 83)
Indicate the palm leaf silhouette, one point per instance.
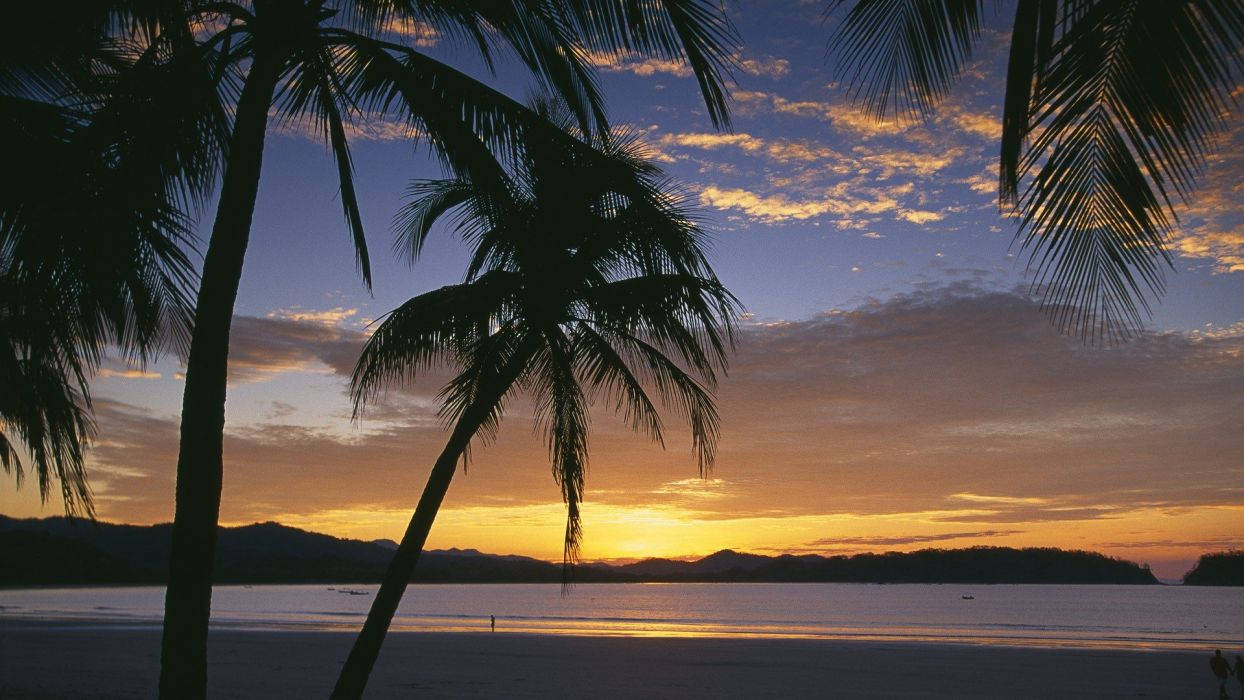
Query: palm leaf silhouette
point(1109, 111)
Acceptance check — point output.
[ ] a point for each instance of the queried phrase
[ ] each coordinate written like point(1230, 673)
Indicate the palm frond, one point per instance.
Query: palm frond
point(429, 201)
point(46, 405)
point(1122, 117)
point(329, 94)
point(606, 372)
point(10, 460)
point(470, 125)
point(678, 389)
point(431, 328)
point(1109, 111)
point(561, 410)
point(902, 56)
point(691, 316)
point(493, 365)
point(1032, 39)
point(696, 31)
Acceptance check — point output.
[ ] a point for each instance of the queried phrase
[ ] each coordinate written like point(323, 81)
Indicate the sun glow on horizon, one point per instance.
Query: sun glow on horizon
point(629, 533)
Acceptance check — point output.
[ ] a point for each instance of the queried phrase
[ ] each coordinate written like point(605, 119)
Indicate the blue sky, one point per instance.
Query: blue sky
point(817, 207)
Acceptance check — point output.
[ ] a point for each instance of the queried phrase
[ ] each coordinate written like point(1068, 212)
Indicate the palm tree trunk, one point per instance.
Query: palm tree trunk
point(188, 600)
point(357, 669)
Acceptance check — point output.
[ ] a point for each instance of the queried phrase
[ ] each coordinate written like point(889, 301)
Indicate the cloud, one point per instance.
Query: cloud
point(810, 180)
point(983, 124)
point(260, 348)
point(127, 373)
point(972, 396)
point(920, 217)
point(780, 150)
point(1225, 248)
point(374, 127)
point(1212, 544)
point(714, 140)
point(695, 488)
point(892, 420)
point(981, 183)
point(327, 317)
point(779, 208)
point(890, 160)
point(625, 62)
point(995, 500)
point(907, 539)
point(622, 62)
point(842, 115)
point(769, 66)
point(421, 34)
point(746, 96)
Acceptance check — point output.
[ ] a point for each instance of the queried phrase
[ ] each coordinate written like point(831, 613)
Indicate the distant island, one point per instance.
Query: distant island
point(73, 551)
point(1221, 569)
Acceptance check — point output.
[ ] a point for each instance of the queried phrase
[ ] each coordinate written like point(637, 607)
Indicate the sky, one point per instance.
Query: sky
point(896, 386)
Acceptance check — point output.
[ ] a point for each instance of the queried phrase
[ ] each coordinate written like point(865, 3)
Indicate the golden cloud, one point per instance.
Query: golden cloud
point(128, 373)
point(771, 67)
point(778, 208)
point(624, 62)
point(327, 317)
point(918, 217)
point(423, 35)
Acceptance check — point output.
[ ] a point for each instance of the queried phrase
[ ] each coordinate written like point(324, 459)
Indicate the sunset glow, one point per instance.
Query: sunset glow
point(896, 385)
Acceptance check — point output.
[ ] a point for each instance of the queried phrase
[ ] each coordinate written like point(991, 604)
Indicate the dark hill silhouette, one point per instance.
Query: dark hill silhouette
point(64, 550)
point(1218, 569)
point(70, 550)
point(727, 560)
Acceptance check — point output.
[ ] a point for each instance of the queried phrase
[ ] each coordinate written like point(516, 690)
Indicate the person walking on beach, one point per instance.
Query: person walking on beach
point(1218, 664)
point(492, 620)
point(1239, 673)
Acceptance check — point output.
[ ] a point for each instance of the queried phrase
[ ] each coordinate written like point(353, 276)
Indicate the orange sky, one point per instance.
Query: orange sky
point(947, 418)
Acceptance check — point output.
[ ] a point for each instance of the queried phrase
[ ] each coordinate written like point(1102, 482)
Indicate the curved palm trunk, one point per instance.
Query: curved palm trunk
point(187, 602)
point(357, 669)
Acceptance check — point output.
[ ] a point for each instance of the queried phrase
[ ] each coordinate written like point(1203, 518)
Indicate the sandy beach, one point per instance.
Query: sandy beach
point(56, 659)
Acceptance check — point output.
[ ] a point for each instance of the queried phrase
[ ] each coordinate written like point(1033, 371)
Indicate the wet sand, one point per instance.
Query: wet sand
point(57, 659)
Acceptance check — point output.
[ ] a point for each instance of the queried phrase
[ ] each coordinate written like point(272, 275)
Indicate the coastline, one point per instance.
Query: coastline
point(61, 659)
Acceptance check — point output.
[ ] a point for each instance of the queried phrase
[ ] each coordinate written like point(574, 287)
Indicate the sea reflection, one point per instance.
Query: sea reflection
point(1137, 617)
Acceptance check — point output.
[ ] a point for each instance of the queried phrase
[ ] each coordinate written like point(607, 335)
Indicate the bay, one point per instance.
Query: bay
point(1155, 617)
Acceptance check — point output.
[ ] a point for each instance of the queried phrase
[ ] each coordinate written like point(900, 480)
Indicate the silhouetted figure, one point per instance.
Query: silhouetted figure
point(1239, 673)
point(492, 620)
point(1218, 664)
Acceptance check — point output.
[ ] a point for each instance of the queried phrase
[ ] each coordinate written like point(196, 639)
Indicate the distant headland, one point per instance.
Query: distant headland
point(1221, 569)
point(72, 551)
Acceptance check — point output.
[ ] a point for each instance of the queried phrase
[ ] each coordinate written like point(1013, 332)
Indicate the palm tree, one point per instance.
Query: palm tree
point(329, 63)
point(587, 281)
point(1110, 108)
point(93, 234)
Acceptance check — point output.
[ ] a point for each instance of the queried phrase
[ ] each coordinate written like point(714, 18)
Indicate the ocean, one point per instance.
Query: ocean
point(1154, 617)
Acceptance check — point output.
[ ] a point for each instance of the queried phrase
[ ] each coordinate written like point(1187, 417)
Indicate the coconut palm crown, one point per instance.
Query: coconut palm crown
point(588, 282)
point(107, 165)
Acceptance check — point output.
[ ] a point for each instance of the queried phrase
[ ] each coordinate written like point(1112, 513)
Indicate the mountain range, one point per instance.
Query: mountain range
point(74, 551)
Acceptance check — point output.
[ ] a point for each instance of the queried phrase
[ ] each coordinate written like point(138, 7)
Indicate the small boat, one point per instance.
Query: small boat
point(968, 597)
point(355, 592)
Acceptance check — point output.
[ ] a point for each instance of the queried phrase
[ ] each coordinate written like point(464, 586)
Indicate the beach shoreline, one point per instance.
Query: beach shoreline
point(45, 659)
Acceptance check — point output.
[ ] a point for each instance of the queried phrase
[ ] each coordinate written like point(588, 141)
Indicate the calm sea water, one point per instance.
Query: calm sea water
point(1166, 617)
